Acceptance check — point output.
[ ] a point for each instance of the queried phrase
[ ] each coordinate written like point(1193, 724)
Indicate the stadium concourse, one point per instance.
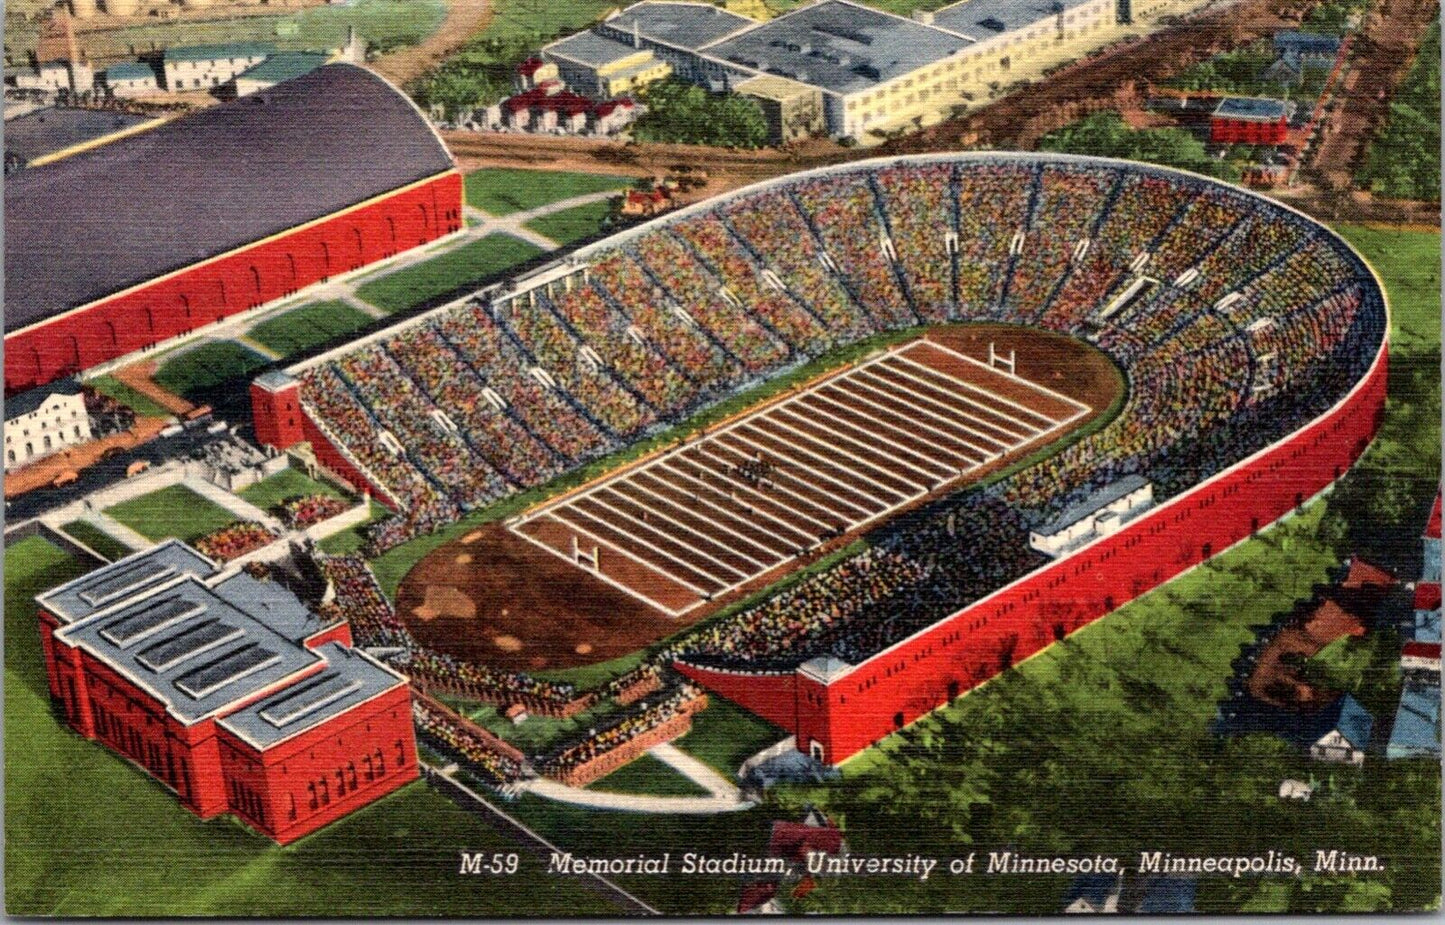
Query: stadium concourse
point(1252, 339)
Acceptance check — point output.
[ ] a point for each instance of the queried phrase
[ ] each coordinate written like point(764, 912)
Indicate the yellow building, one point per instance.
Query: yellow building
point(602, 67)
point(794, 110)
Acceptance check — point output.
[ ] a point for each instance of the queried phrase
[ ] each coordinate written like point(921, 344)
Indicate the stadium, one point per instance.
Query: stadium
point(1037, 385)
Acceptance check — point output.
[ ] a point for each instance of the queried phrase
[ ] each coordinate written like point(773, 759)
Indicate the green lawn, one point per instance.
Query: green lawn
point(174, 511)
point(725, 735)
point(308, 326)
point(648, 776)
point(193, 372)
point(504, 190)
point(97, 539)
point(351, 539)
point(140, 404)
point(89, 834)
point(574, 224)
point(288, 483)
point(452, 273)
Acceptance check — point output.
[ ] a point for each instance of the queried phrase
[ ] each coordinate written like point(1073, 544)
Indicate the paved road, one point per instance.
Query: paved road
point(110, 471)
point(723, 796)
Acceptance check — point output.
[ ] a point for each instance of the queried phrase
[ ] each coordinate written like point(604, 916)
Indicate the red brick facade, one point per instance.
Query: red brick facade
point(243, 279)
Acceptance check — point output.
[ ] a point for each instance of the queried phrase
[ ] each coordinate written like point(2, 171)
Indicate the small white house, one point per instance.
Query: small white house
point(44, 421)
point(205, 67)
point(1341, 732)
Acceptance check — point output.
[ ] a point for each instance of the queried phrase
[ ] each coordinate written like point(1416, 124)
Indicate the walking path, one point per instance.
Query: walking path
point(445, 779)
point(723, 796)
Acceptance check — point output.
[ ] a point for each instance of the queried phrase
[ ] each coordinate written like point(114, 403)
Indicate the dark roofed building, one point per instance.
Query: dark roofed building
point(44, 132)
point(839, 47)
point(1250, 120)
point(158, 205)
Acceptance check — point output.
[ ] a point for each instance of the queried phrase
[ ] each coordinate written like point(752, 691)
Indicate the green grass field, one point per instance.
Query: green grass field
point(725, 735)
point(648, 776)
point(174, 511)
point(140, 404)
point(504, 190)
point(97, 539)
point(288, 483)
point(308, 326)
point(572, 225)
point(89, 834)
point(451, 273)
point(195, 371)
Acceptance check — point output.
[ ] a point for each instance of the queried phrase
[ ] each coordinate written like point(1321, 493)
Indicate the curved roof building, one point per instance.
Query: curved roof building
point(103, 224)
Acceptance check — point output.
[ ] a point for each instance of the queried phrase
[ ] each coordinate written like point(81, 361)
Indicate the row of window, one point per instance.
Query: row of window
point(346, 779)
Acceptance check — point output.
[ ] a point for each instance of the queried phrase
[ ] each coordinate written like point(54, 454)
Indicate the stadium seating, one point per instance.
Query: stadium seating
point(1243, 321)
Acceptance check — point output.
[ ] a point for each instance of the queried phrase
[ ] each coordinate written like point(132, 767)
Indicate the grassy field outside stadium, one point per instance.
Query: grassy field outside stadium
point(288, 483)
point(192, 372)
point(141, 404)
point(504, 190)
point(172, 511)
point(575, 224)
point(451, 273)
point(97, 539)
point(308, 326)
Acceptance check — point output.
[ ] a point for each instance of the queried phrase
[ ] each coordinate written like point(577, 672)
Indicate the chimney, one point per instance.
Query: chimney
point(636, 34)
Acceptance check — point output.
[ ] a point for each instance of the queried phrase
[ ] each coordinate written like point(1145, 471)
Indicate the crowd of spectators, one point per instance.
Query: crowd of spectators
point(682, 700)
point(304, 511)
point(234, 540)
point(476, 753)
point(685, 313)
point(1068, 203)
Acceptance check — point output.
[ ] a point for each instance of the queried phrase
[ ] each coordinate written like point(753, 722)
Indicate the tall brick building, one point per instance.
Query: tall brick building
point(227, 689)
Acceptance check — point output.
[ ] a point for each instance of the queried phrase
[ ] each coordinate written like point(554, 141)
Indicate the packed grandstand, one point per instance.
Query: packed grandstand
point(1234, 320)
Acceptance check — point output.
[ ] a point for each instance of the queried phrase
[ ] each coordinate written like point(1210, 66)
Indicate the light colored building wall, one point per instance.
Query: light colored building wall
point(58, 423)
point(207, 73)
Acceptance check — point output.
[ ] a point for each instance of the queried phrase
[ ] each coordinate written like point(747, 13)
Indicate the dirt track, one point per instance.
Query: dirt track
point(497, 599)
point(463, 20)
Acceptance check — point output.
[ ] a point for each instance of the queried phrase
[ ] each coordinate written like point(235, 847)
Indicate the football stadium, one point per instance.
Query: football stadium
point(1018, 391)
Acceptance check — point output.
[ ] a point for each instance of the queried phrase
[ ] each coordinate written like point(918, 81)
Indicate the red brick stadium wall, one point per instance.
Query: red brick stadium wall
point(234, 282)
point(902, 683)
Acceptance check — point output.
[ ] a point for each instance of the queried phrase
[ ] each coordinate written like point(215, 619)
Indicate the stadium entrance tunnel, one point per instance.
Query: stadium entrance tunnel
point(863, 446)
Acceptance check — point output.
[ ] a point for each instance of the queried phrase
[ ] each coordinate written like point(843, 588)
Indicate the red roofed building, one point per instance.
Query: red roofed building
point(1427, 595)
point(795, 840)
point(1364, 575)
point(1420, 657)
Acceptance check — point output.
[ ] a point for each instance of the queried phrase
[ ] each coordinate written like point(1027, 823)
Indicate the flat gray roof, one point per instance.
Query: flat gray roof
point(839, 47)
point(684, 25)
point(350, 678)
point(591, 49)
point(124, 578)
point(96, 223)
point(193, 649)
point(982, 19)
point(1104, 496)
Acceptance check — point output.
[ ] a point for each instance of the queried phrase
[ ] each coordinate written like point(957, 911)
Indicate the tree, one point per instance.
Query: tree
point(682, 113)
